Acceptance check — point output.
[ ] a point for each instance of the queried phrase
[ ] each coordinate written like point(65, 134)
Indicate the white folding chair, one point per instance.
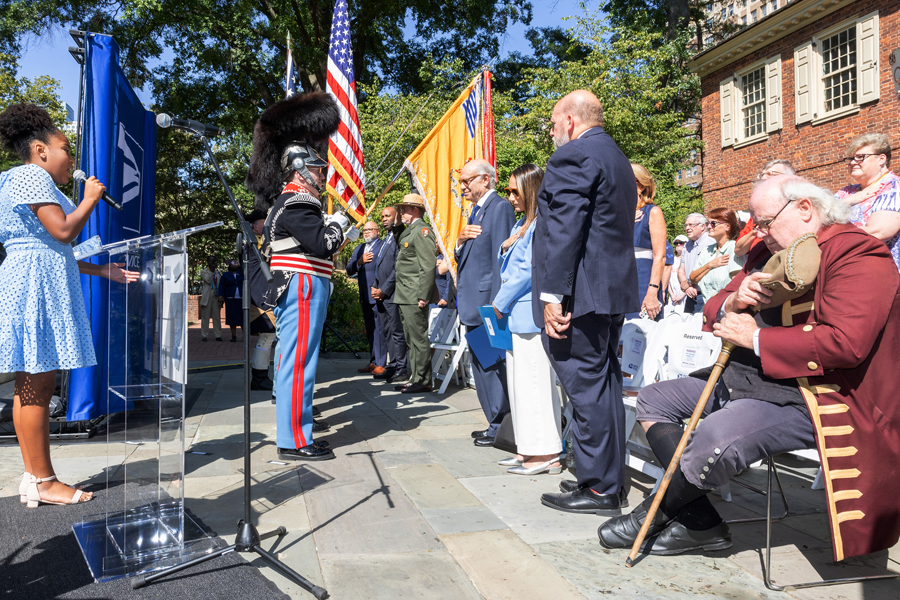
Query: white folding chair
point(445, 337)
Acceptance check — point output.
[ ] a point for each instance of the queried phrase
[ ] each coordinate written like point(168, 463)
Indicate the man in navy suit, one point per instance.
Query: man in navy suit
point(584, 281)
point(362, 264)
point(478, 281)
point(383, 292)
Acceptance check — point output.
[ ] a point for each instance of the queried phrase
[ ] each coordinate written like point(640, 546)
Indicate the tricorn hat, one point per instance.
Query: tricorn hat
point(413, 200)
point(793, 270)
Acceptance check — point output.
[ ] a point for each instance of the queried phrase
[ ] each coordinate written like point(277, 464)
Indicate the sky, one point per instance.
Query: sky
point(49, 54)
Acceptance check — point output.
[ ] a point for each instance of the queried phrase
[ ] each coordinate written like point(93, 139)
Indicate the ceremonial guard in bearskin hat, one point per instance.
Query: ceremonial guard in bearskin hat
point(287, 175)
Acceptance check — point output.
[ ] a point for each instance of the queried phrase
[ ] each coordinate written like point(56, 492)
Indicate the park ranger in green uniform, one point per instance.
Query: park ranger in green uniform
point(415, 289)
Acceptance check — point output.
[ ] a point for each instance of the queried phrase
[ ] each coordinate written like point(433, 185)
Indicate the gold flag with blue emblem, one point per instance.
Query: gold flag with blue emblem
point(434, 165)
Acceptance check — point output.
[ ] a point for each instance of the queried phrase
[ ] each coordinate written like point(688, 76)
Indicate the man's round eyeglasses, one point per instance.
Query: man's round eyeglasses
point(692, 225)
point(765, 224)
point(858, 158)
point(469, 180)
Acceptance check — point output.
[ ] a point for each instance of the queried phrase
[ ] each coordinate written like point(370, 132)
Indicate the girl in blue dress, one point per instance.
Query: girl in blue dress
point(43, 323)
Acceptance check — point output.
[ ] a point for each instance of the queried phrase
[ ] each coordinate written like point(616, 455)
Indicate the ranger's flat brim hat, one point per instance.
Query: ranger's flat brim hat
point(413, 200)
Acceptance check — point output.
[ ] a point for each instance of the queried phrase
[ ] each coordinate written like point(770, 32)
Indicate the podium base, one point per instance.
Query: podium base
point(141, 540)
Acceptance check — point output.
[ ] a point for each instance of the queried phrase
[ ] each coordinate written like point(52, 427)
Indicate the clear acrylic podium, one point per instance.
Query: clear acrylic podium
point(145, 526)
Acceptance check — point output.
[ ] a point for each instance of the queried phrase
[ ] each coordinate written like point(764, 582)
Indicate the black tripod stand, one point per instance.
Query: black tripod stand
point(248, 538)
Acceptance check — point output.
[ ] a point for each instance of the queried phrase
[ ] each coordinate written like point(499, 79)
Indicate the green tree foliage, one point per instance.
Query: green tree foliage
point(648, 97)
point(42, 91)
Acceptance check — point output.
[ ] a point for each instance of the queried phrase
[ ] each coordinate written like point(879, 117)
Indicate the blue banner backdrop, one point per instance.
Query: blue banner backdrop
point(118, 146)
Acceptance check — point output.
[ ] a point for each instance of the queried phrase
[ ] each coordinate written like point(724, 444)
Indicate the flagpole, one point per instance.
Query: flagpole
point(384, 192)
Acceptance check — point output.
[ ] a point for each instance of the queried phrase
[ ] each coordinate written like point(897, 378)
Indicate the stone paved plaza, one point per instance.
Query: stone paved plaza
point(412, 509)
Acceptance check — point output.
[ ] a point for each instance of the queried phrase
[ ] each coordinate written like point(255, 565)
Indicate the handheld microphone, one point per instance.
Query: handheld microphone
point(80, 176)
point(165, 121)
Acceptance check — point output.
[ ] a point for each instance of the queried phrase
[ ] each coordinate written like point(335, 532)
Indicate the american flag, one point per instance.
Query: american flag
point(290, 86)
point(346, 176)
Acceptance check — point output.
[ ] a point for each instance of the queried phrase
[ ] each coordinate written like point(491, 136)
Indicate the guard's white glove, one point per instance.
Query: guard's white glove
point(338, 219)
point(352, 235)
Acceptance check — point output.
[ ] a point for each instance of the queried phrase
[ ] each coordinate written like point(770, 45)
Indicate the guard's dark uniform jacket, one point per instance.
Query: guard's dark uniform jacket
point(297, 240)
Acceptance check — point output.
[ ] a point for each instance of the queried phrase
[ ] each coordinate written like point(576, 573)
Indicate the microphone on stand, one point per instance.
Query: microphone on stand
point(165, 121)
point(80, 176)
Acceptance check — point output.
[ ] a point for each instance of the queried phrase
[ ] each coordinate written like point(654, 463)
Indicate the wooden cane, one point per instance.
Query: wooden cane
point(724, 355)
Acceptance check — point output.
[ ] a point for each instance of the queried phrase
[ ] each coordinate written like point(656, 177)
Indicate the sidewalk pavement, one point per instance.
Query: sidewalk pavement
point(412, 509)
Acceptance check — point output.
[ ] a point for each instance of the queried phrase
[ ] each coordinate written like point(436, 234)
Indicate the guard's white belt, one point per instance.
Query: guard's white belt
point(643, 253)
point(302, 263)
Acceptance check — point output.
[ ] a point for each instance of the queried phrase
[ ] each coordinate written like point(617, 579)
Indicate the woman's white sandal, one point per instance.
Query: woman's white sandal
point(34, 495)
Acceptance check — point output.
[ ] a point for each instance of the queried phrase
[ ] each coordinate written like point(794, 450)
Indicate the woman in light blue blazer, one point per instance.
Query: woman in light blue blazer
point(533, 399)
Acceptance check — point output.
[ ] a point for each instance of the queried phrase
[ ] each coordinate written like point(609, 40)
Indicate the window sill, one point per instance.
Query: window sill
point(838, 114)
point(750, 141)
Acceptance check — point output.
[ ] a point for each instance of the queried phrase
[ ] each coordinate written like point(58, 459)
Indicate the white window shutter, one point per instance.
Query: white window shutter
point(867, 58)
point(804, 87)
point(773, 94)
point(726, 103)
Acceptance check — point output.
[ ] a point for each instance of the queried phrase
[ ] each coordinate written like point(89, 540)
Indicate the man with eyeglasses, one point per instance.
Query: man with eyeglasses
point(817, 371)
point(362, 265)
point(747, 237)
point(695, 229)
point(478, 281)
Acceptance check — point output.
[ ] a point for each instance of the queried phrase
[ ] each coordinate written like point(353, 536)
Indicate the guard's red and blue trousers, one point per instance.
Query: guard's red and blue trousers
point(299, 319)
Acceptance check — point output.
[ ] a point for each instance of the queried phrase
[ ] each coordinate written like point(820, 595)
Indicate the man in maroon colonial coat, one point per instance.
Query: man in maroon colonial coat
point(818, 371)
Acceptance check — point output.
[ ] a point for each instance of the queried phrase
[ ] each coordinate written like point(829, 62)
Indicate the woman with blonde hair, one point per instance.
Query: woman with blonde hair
point(874, 195)
point(531, 382)
point(649, 245)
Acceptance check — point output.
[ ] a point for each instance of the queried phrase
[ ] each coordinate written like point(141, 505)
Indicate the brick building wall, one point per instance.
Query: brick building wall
point(814, 150)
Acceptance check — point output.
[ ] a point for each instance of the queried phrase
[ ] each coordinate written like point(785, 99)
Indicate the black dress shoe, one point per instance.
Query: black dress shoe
point(322, 444)
point(386, 374)
point(415, 388)
point(677, 539)
point(401, 377)
point(585, 501)
point(316, 412)
point(571, 485)
point(203, 340)
point(219, 339)
point(309, 452)
point(485, 441)
point(622, 531)
point(320, 426)
point(482, 433)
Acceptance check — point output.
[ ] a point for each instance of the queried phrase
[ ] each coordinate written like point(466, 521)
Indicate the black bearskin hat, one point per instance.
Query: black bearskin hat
point(308, 118)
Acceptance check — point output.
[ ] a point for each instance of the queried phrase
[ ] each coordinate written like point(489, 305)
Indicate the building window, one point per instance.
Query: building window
point(731, 10)
point(750, 103)
point(708, 41)
point(753, 13)
point(723, 14)
point(743, 3)
point(774, 5)
point(837, 71)
point(744, 20)
point(753, 102)
point(694, 171)
point(764, 9)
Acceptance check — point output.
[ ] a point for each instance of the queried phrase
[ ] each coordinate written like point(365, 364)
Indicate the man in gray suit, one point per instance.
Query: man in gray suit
point(478, 281)
point(388, 313)
point(209, 301)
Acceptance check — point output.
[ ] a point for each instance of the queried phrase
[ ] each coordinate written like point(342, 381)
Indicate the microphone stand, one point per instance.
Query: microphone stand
point(248, 538)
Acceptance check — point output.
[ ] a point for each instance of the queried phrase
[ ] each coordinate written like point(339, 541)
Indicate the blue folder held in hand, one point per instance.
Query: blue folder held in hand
point(497, 329)
point(480, 344)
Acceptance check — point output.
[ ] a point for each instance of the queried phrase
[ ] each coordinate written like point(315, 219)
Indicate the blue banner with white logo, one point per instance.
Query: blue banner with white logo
point(118, 147)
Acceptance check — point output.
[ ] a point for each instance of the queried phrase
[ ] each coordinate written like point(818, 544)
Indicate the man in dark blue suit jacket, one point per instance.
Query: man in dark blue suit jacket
point(383, 292)
point(362, 264)
point(478, 281)
point(584, 281)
